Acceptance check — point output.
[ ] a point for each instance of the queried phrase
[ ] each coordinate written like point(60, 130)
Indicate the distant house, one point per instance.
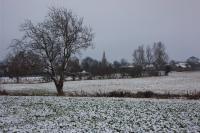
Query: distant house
point(150, 67)
point(84, 75)
point(182, 66)
point(126, 70)
point(127, 67)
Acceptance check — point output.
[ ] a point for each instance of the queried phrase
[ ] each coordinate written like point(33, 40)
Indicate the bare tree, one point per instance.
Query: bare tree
point(55, 40)
point(149, 55)
point(139, 56)
point(22, 64)
point(73, 67)
point(91, 65)
point(160, 55)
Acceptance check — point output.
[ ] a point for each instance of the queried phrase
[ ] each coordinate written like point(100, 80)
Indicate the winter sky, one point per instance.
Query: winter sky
point(119, 25)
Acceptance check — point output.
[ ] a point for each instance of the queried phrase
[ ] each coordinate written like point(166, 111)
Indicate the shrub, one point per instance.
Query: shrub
point(3, 92)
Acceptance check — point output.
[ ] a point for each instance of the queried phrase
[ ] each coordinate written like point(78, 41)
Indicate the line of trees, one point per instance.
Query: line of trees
point(27, 63)
point(153, 58)
point(155, 55)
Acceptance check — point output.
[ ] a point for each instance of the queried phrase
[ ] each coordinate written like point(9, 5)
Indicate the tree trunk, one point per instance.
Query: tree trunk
point(59, 87)
point(17, 79)
point(73, 77)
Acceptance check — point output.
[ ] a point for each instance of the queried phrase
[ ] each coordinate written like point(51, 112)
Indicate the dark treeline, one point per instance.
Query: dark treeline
point(147, 61)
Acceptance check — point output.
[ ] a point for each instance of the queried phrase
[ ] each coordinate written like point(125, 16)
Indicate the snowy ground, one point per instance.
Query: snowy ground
point(174, 83)
point(54, 114)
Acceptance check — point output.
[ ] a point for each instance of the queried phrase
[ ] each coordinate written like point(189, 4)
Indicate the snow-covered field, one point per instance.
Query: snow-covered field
point(54, 114)
point(176, 82)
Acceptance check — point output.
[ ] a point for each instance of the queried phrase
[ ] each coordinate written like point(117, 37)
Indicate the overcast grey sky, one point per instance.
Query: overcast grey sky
point(119, 25)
